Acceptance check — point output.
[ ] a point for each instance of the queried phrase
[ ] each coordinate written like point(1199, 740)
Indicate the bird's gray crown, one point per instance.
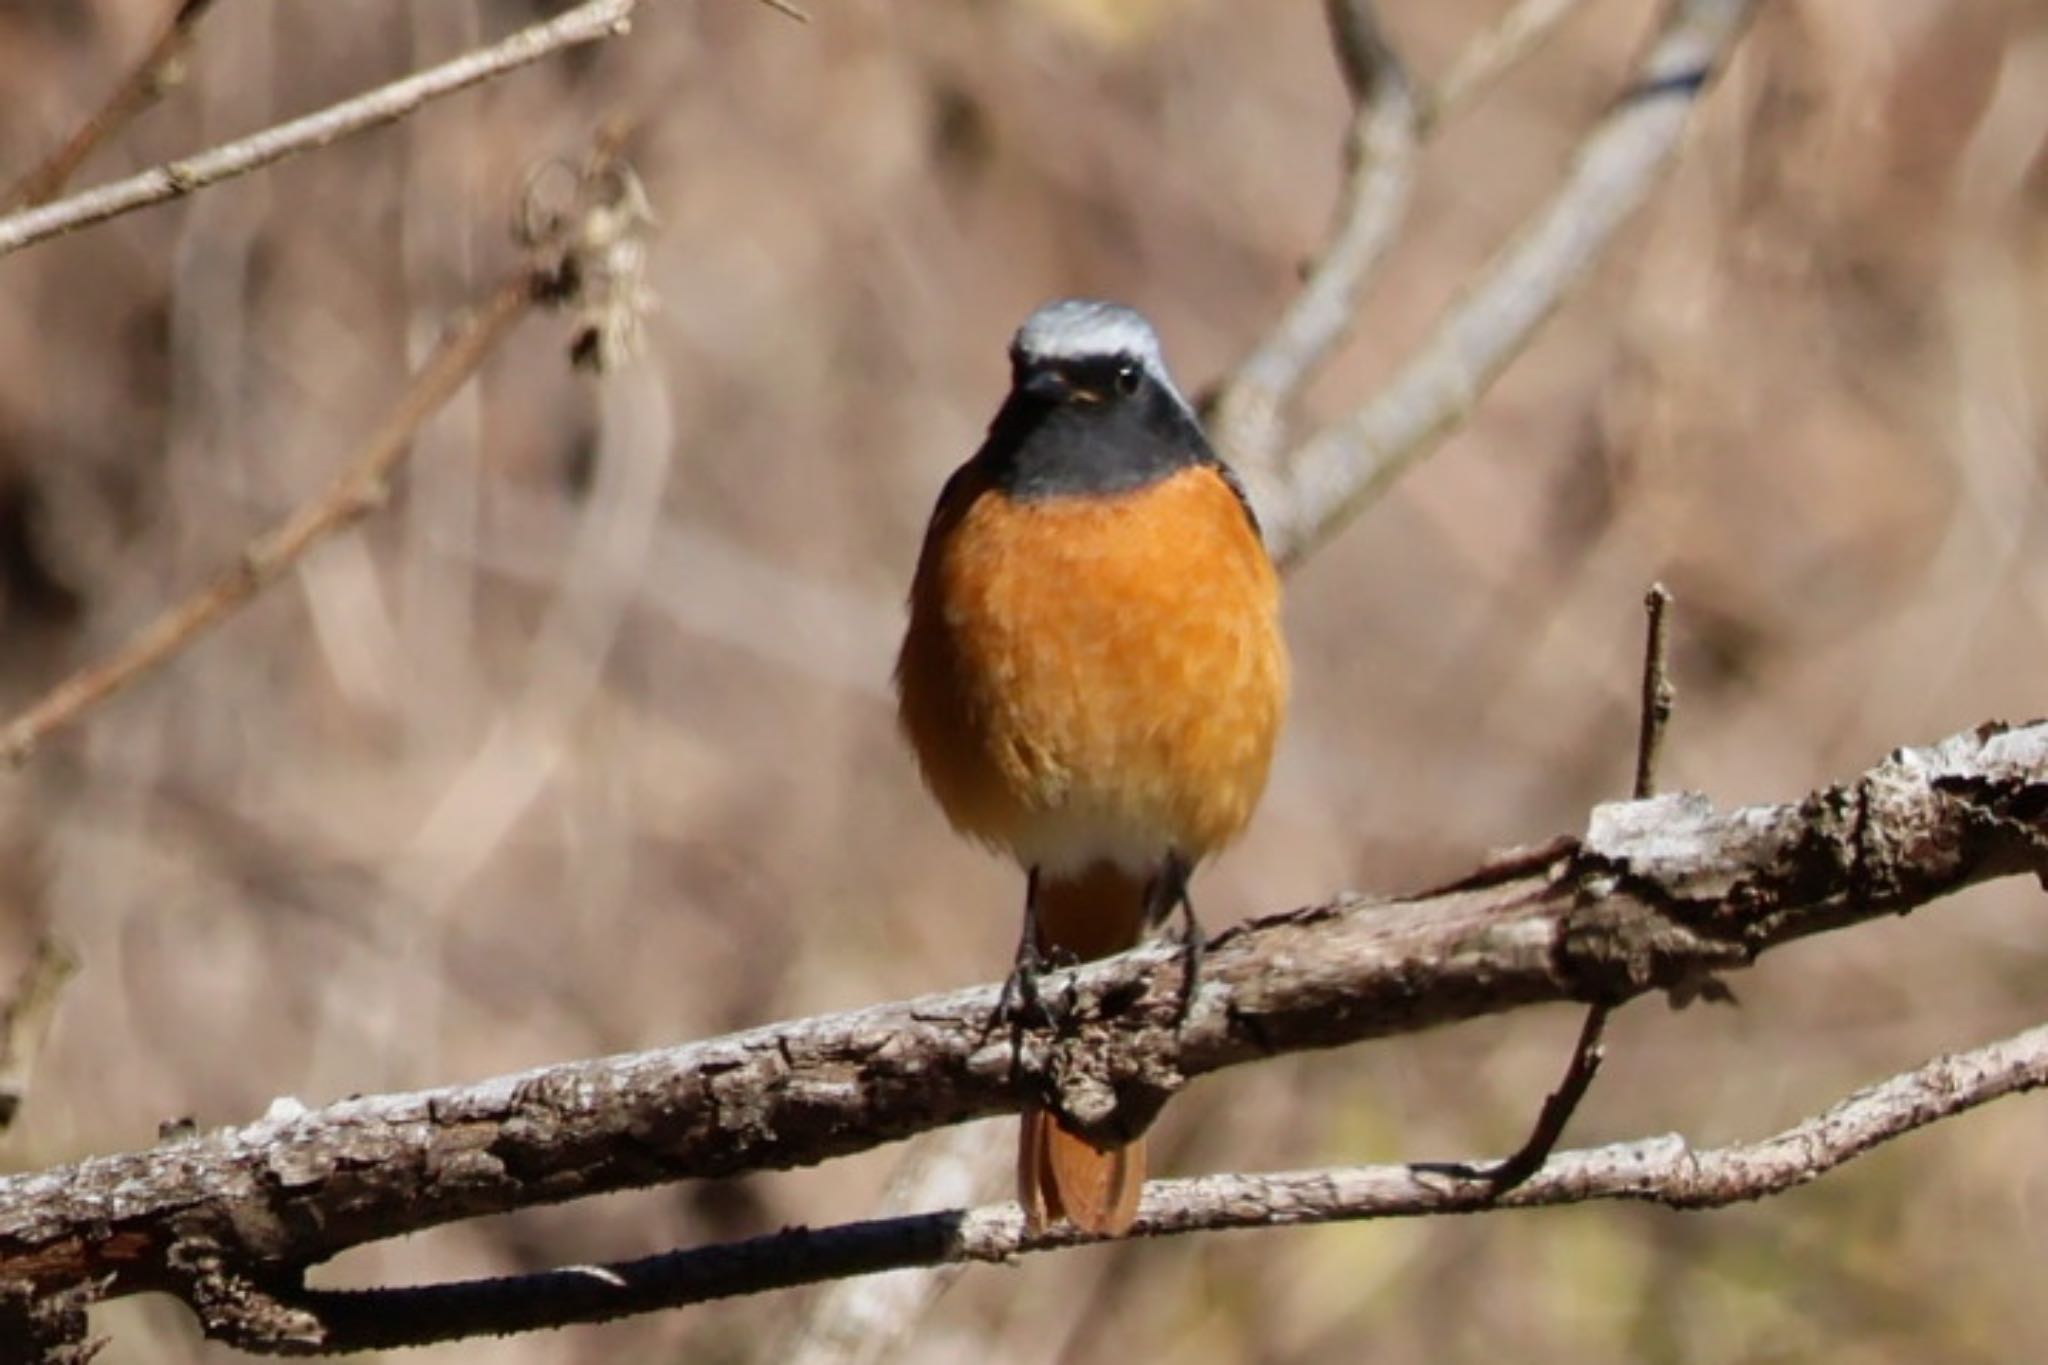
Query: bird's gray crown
point(1084, 329)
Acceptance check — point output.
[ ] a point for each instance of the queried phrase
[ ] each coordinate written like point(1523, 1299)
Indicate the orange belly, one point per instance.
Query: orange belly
point(1095, 680)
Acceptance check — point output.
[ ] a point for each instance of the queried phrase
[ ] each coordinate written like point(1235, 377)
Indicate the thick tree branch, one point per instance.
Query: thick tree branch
point(1655, 894)
point(1663, 1170)
point(1327, 479)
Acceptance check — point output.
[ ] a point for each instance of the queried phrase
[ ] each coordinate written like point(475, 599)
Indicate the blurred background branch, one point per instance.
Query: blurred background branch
point(1494, 52)
point(158, 70)
point(588, 22)
point(1246, 417)
point(1334, 474)
point(361, 487)
point(25, 1017)
point(574, 264)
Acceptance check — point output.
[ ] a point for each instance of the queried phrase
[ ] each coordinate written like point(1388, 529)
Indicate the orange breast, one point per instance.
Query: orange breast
point(1096, 679)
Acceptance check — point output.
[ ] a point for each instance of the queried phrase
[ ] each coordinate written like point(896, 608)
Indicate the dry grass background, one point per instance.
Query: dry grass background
point(585, 744)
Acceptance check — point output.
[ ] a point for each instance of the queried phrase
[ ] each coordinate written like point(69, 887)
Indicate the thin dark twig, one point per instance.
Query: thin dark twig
point(1589, 1052)
point(1658, 695)
point(1557, 1111)
point(144, 85)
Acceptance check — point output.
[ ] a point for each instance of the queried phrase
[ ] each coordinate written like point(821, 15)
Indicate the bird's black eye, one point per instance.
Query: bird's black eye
point(1127, 376)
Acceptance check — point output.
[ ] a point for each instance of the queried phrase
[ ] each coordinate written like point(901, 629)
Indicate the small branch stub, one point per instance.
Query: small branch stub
point(1658, 694)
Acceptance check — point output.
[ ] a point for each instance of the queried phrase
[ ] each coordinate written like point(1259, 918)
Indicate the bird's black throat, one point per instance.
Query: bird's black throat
point(1116, 443)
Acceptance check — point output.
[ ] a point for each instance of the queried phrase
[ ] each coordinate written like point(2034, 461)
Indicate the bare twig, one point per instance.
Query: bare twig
point(1654, 892)
point(586, 23)
point(1558, 1107)
point(1331, 476)
point(1658, 696)
point(25, 1020)
point(144, 85)
point(1589, 1052)
point(1379, 178)
point(1660, 1170)
point(1494, 53)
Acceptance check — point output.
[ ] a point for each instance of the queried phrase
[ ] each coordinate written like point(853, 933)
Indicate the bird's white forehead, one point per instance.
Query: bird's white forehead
point(1075, 329)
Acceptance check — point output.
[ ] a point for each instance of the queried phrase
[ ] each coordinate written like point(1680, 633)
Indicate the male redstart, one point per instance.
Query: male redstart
point(1094, 674)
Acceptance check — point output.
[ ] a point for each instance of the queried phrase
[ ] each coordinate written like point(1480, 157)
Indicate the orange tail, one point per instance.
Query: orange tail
point(1062, 1174)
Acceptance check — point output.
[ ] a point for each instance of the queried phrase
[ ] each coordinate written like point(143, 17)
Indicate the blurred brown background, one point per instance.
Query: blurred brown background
point(585, 744)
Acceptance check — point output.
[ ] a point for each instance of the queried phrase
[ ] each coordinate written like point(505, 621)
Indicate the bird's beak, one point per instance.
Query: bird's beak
point(1046, 384)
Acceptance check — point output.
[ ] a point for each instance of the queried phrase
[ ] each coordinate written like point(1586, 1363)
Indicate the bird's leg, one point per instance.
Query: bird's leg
point(1020, 1002)
point(1166, 892)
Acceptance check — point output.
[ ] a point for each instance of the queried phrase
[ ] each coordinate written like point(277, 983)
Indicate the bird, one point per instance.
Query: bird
point(1094, 676)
